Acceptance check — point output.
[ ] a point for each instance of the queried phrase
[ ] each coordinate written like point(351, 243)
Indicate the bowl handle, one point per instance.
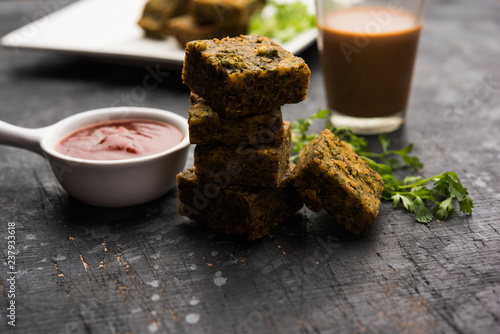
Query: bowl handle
point(17, 136)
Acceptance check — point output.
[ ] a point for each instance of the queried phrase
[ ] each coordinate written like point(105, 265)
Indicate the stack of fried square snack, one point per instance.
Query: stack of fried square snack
point(189, 20)
point(240, 181)
point(213, 18)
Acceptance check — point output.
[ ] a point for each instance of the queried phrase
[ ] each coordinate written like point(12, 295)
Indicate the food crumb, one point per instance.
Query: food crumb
point(154, 283)
point(153, 328)
point(219, 280)
point(192, 318)
point(194, 301)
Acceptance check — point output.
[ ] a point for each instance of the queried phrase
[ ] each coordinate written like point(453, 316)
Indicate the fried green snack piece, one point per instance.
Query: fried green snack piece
point(248, 164)
point(330, 175)
point(223, 13)
point(157, 13)
point(185, 29)
point(208, 127)
point(244, 75)
point(246, 211)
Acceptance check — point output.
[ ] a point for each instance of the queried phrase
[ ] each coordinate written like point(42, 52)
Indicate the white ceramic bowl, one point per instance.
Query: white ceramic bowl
point(112, 183)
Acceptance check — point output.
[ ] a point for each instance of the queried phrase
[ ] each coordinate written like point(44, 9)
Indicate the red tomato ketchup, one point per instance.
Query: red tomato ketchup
point(120, 139)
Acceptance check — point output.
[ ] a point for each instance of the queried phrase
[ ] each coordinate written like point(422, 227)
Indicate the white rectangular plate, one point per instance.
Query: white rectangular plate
point(108, 29)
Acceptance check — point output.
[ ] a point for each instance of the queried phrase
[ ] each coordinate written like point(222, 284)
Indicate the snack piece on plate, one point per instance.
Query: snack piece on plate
point(157, 13)
point(223, 13)
point(233, 209)
point(208, 127)
point(244, 75)
point(185, 29)
point(247, 164)
point(331, 175)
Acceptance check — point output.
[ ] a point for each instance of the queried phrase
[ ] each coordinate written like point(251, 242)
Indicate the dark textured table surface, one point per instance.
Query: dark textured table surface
point(145, 269)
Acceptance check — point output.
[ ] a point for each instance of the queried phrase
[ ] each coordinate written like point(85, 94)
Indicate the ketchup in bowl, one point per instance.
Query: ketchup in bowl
point(120, 139)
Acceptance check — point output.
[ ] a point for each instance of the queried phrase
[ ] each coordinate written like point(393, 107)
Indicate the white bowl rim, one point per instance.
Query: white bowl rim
point(90, 117)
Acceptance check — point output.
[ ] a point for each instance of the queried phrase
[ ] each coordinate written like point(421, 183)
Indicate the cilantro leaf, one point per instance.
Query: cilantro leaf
point(282, 21)
point(384, 142)
point(423, 215)
point(448, 184)
point(444, 209)
point(405, 200)
point(358, 144)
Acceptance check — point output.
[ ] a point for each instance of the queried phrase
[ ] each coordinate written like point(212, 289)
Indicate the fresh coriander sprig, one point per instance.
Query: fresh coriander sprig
point(413, 192)
point(282, 21)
